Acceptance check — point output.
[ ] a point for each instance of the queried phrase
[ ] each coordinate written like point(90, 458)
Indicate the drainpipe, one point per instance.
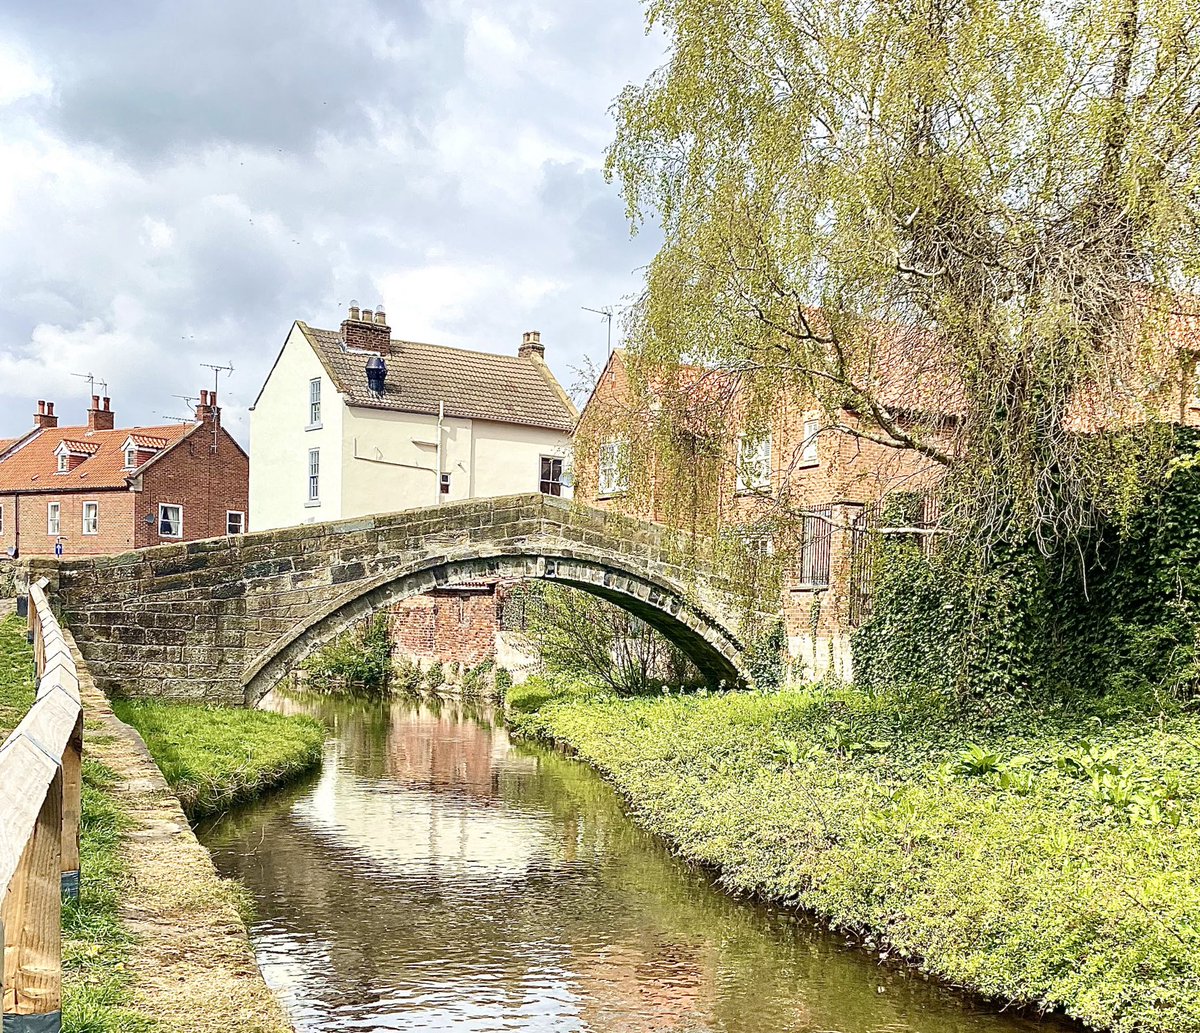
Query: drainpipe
point(438, 461)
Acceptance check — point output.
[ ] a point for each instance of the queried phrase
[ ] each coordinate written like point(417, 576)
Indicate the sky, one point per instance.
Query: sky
point(179, 182)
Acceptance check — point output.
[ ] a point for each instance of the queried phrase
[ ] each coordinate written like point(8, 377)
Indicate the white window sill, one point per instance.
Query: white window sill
point(315, 426)
point(763, 489)
point(808, 464)
point(616, 493)
point(312, 504)
point(808, 588)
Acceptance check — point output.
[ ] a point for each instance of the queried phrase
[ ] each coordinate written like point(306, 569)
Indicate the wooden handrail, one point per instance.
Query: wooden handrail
point(40, 810)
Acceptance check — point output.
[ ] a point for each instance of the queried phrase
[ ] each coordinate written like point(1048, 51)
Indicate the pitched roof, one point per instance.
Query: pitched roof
point(32, 465)
point(473, 385)
point(7, 443)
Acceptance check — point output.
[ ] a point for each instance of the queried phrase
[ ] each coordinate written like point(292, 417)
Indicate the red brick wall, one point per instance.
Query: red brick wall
point(205, 482)
point(447, 624)
point(114, 523)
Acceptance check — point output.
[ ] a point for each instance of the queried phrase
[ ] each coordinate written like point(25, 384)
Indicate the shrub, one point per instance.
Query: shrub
point(358, 663)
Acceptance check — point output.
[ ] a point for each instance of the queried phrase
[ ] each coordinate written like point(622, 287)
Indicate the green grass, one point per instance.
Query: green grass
point(95, 945)
point(986, 852)
point(216, 757)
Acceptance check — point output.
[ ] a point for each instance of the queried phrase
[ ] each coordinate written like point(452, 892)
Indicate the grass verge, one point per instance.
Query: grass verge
point(1048, 859)
point(95, 945)
point(215, 757)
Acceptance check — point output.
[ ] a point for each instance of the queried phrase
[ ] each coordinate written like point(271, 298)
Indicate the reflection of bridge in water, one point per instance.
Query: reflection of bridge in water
point(224, 619)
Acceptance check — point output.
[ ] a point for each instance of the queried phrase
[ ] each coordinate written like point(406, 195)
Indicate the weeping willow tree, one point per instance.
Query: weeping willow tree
point(962, 229)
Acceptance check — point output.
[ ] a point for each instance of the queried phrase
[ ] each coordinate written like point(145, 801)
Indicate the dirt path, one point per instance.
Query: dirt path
point(194, 969)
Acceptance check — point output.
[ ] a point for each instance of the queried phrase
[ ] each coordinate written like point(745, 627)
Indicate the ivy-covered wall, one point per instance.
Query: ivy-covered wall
point(1127, 620)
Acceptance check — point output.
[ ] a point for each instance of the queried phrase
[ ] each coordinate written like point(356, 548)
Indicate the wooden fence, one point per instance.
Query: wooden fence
point(40, 803)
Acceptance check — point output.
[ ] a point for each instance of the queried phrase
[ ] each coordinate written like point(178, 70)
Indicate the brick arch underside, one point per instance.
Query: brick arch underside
point(704, 638)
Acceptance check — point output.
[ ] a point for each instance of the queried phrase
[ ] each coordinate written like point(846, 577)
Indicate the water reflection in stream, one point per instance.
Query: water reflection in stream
point(435, 876)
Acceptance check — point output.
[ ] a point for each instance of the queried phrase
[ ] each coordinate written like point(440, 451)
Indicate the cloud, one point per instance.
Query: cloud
point(183, 181)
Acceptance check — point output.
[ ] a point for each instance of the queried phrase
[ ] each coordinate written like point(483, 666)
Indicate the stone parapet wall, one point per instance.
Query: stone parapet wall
point(223, 619)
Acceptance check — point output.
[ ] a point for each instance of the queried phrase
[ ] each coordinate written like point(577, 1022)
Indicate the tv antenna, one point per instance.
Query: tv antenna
point(217, 371)
point(92, 381)
point(607, 313)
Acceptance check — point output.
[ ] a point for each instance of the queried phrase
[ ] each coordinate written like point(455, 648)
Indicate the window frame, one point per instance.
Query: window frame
point(313, 482)
point(761, 460)
point(83, 518)
point(814, 557)
point(54, 530)
point(551, 481)
point(809, 454)
point(314, 404)
point(443, 484)
point(64, 462)
point(241, 515)
point(131, 462)
point(616, 482)
point(170, 505)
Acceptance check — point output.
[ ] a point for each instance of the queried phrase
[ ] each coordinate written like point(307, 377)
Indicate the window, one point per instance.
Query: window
point(235, 522)
point(170, 521)
point(53, 511)
point(91, 517)
point(314, 474)
point(612, 476)
point(753, 461)
point(551, 481)
point(758, 545)
point(314, 402)
point(64, 462)
point(816, 535)
point(444, 484)
point(130, 457)
point(808, 447)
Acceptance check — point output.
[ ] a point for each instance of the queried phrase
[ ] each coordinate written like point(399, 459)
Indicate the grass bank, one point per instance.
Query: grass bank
point(215, 757)
point(1048, 859)
point(96, 986)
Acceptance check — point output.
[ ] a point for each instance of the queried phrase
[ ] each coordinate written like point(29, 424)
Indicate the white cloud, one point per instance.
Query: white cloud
point(181, 194)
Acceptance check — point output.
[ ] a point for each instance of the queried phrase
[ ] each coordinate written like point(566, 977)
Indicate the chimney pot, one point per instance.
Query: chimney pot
point(95, 401)
point(531, 346)
point(45, 417)
point(354, 310)
point(100, 419)
point(212, 398)
point(106, 401)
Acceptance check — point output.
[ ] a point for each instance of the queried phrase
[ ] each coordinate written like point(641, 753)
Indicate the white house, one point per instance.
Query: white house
point(353, 421)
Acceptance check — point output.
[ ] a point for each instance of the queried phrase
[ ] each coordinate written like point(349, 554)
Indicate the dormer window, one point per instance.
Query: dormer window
point(70, 454)
point(130, 458)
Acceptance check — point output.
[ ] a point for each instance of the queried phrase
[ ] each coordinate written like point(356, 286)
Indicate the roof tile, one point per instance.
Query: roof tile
point(33, 467)
point(473, 385)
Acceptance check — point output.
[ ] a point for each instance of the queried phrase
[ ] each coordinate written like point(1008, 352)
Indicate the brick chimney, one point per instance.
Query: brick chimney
point(206, 409)
point(45, 417)
point(367, 330)
point(100, 417)
point(532, 347)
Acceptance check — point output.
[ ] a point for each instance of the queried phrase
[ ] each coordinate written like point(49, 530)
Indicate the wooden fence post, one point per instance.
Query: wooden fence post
point(31, 918)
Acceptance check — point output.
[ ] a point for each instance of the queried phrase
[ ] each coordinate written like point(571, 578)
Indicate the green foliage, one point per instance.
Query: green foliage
point(407, 675)
point(358, 663)
point(579, 637)
point(216, 757)
point(17, 687)
point(1014, 181)
point(480, 679)
point(435, 676)
point(984, 850)
point(1030, 627)
point(766, 657)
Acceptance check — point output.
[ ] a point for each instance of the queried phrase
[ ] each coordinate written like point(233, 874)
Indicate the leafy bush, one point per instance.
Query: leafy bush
point(358, 663)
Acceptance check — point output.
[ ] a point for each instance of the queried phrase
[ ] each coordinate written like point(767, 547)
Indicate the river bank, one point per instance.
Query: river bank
point(156, 940)
point(1052, 868)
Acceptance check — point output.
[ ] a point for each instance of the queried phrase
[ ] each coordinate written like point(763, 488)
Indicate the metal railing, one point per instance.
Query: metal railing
point(40, 808)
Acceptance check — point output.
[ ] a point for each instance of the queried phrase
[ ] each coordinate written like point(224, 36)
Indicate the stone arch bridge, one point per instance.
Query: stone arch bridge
point(223, 619)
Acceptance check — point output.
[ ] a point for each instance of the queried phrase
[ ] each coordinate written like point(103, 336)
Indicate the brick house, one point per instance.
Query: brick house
point(96, 488)
point(802, 475)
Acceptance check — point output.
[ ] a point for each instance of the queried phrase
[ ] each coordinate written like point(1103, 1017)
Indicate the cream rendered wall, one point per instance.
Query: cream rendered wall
point(507, 457)
point(389, 460)
point(280, 440)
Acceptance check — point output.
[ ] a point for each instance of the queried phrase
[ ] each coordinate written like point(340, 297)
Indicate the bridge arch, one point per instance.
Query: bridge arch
point(221, 620)
point(714, 650)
